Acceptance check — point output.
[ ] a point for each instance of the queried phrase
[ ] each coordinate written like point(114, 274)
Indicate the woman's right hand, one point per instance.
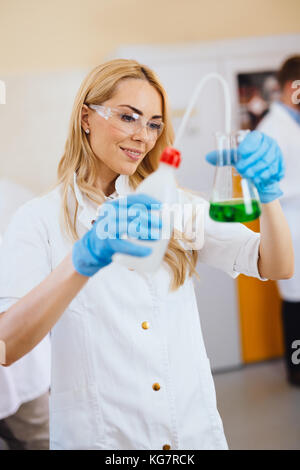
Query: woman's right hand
point(118, 218)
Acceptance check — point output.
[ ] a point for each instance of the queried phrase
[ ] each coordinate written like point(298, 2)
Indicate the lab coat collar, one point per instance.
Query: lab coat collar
point(283, 113)
point(87, 211)
point(295, 114)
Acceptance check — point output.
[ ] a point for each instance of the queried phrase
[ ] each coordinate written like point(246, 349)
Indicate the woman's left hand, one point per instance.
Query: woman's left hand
point(259, 160)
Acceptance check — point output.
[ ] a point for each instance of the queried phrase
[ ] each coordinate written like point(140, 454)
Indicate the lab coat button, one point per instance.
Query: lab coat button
point(145, 325)
point(166, 447)
point(156, 386)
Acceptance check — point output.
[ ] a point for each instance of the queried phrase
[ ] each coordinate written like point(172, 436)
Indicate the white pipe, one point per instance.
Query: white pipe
point(194, 99)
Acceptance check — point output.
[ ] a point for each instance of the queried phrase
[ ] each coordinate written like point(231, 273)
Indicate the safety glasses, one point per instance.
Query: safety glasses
point(128, 121)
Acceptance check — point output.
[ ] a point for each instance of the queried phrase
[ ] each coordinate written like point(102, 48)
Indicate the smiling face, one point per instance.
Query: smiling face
point(118, 152)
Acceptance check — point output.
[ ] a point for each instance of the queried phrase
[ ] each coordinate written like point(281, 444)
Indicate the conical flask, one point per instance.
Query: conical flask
point(233, 198)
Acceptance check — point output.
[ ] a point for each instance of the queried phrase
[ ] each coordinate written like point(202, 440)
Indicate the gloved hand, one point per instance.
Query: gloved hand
point(125, 216)
point(259, 160)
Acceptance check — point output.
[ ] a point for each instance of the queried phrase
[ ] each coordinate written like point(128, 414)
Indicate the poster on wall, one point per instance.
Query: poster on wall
point(257, 90)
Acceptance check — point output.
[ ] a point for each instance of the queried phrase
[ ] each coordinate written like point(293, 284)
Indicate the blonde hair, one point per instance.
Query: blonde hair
point(97, 87)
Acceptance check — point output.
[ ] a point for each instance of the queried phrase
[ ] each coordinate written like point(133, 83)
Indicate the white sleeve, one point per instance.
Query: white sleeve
point(230, 246)
point(189, 219)
point(24, 255)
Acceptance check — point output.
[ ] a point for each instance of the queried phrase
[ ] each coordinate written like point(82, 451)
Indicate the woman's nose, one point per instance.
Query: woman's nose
point(141, 133)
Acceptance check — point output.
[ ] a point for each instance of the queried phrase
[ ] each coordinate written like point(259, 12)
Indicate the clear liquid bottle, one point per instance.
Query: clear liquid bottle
point(233, 198)
point(161, 184)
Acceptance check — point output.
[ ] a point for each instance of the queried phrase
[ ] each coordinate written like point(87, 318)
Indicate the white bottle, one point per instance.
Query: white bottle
point(161, 184)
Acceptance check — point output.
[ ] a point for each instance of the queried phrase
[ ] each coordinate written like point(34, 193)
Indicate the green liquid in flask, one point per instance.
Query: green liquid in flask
point(234, 211)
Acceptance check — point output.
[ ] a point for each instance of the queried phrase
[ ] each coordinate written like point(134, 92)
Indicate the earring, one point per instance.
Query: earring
point(87, 131)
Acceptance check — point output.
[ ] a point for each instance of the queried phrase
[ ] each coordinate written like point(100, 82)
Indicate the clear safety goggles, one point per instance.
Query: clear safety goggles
point(128, 121)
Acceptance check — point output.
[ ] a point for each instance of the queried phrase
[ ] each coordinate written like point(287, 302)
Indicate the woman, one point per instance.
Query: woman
point(129, 367)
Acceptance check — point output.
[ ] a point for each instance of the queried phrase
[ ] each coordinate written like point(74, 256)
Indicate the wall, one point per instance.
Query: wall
point(48, 34)
point(56, 42)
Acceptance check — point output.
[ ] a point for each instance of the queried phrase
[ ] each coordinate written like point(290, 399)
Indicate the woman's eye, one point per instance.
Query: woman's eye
point(155, 126)
point(127, 118)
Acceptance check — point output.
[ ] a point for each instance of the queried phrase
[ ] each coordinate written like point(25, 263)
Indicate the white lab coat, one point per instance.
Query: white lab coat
point(29, 377)
point(104, 363)
point(281, 126)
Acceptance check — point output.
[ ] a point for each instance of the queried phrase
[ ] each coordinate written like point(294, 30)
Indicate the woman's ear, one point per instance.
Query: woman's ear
point(85, 117)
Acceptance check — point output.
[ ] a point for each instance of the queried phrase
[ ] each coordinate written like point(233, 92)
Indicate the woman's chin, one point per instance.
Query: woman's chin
point(128, 169)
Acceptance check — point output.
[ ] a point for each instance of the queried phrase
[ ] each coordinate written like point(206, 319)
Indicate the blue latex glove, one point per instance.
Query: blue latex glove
point(130, 216)
point(259, 160)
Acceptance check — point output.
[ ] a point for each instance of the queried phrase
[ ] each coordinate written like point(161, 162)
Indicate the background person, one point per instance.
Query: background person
point(24, 386)
point(283, 124)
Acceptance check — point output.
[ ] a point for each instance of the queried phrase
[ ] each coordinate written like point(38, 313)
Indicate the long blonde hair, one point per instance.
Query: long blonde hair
point(97, 87)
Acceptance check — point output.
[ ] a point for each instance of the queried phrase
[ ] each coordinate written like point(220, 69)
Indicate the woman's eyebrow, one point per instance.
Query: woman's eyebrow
point(138, 111)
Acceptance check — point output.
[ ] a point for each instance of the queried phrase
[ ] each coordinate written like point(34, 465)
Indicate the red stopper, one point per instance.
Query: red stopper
point(171, 156)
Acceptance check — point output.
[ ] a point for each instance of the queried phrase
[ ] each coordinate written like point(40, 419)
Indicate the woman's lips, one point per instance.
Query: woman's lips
point(133, 155)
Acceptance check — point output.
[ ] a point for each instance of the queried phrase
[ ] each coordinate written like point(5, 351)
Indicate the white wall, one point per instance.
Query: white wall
point(33, 125)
